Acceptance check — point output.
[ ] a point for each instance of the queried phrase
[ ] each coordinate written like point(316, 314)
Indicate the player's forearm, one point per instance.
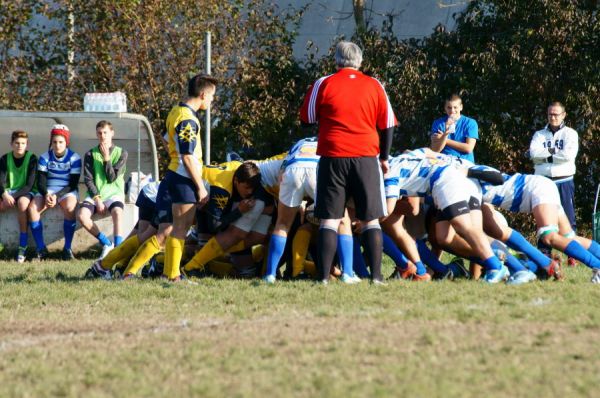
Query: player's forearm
point(88, 175)
point(73, 185)
point(42, 183)
point(464, 147)
point(114, 171)
point(385, 145)
point(437, 144)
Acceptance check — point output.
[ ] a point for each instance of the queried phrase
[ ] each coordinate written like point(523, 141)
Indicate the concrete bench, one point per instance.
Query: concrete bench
point(53, 229)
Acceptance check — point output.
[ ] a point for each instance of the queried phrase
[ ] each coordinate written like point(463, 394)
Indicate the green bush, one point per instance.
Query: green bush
point(507, 60)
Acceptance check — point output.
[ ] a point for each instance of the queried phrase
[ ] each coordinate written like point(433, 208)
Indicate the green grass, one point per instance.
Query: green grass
point(64, 336)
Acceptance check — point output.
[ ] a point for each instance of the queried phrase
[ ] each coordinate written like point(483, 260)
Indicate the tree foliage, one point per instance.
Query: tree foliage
point(508, 60)
point(148, 49)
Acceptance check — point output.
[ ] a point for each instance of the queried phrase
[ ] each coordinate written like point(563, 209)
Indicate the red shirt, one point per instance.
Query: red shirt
point(349, 107)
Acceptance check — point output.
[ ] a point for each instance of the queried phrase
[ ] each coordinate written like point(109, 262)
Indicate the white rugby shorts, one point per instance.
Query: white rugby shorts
point(296, 184)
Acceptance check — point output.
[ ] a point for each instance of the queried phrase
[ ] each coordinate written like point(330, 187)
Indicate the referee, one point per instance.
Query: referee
point(350, 108)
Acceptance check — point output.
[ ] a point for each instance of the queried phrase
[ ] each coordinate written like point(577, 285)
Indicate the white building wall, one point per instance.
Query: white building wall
point(327, 19)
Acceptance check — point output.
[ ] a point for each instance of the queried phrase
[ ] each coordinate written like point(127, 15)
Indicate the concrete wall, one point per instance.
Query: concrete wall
point(53, 229)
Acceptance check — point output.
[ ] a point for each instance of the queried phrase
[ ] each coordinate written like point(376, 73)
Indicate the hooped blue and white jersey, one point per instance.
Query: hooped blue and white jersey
point(151, 190)
point(303, 154)
point(414, 173)
point(508, 196)
point(59, 169)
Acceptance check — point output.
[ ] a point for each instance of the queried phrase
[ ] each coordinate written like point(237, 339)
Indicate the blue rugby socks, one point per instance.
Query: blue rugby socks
point(103, 239)
point(517, 242)
point(23, 239)
point(492, 263)
point(430, 259)
point(69, 230)
point(392, 251)
point(276, 249)
point(358, 261)
point(513, 264)
point(37, 230)
point(595, 249)
point(578, 252)
point(345, 248)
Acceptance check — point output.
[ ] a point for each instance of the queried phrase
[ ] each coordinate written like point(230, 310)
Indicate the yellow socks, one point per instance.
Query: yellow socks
point(145, 252)
point(220, 268)
point(210, 251)
point(258, 253)
point(299, 251)
point(237, 247)
point(173, 253)
point(121, 253)
point(310, 268)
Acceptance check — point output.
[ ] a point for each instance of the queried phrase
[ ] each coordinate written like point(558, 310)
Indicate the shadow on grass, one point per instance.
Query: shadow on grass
point(10, 254)
point(59, 277)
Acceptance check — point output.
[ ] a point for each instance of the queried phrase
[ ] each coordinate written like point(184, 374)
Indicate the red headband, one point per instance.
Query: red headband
point(62, 132)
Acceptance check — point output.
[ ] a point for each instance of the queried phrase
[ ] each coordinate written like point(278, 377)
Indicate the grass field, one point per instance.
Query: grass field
point(64, 336)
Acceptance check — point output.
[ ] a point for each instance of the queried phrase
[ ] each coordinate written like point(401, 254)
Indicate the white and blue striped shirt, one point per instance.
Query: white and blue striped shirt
point(59, 169)
point(508, 196)
point(414, 173)
point(303, 153)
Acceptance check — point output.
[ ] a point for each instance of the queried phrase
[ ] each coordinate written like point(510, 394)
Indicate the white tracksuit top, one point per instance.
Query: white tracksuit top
point(565, 143)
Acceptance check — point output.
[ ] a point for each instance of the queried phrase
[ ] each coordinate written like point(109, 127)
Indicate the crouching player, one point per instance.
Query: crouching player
point(422, 172)
point(539, 196)
point(142, 243)
point(233, 214)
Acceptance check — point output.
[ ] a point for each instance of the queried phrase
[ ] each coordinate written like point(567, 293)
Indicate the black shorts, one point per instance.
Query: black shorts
point(147, 210)
point(164, 205)
point(459, 208)
point(181, 189)
point(339, 179)
point(92, 206)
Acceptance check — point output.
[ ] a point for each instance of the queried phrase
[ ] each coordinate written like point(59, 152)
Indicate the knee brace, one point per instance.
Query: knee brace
point(548, 229)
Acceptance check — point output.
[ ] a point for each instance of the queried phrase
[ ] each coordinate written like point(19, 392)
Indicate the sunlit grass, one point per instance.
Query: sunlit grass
point(61, 335)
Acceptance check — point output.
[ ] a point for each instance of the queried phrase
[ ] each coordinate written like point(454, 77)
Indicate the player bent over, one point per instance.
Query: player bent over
point(539, 196)
point(149, 222)
point(298, 180)
point(422, 172)
point(233, 214)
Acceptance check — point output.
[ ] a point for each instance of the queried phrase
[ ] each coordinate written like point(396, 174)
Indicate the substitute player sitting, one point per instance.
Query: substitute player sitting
point(103, 171)
point(59, 170)
point(17, 178)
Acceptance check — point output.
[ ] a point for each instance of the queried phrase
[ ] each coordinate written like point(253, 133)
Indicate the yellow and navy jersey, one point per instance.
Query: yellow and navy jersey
point(270, 170)
point(220, 179)
point(183, 137)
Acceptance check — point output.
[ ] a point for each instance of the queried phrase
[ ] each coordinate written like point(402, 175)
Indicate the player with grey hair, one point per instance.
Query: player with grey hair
point(348, 55)
point(354, 116)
